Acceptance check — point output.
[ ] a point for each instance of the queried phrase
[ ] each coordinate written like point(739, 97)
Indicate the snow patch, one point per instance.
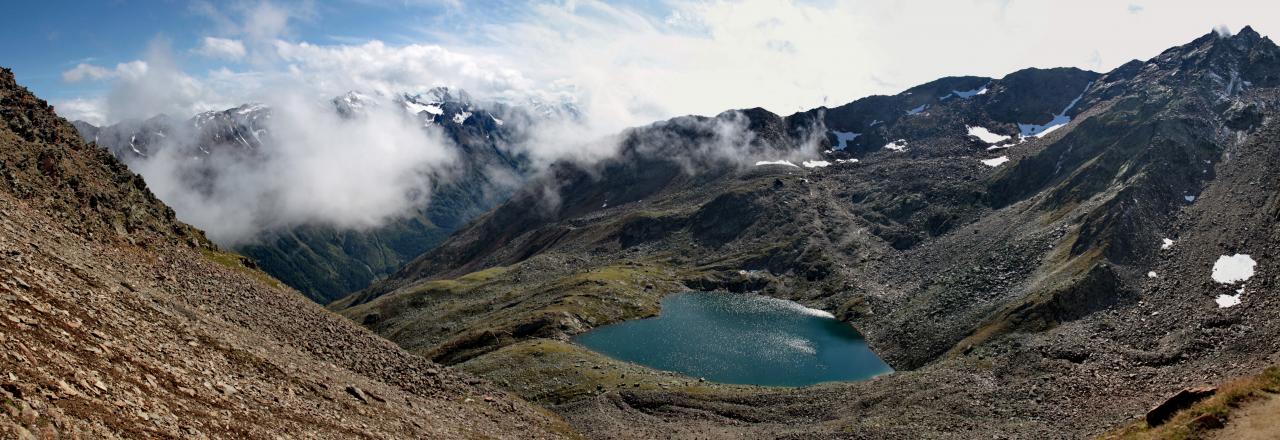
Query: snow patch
point(996, 161)
point(1152, 274)
point(415, 108)
point(1233, 269)
point(1166, 244)
point(1225, 300)
point(776, 162)
point(917, 110)
point(846, 160)
point(1059, 120)
point(461, 117)
point(843, 138)
point(815, 163)
point(965, 94)
point(898, 145)
point(1189, 199)
point(250, 108)
point(986, 135)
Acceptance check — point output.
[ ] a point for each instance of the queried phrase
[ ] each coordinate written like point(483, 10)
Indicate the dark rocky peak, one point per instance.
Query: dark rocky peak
point(1232, 62)
point(460, 114)
point(730, 137)
point(129, 139)
point(865, 114)
point(940, 90)
point(240, 128)
point(1037, 96)
point(766, 126)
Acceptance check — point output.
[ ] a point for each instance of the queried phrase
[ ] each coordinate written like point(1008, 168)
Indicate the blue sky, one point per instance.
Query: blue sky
point(53, 36)
point(624, 63)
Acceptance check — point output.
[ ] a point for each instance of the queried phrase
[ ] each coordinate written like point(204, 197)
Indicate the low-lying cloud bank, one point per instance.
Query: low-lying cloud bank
point(317, 167)
point(313, 167)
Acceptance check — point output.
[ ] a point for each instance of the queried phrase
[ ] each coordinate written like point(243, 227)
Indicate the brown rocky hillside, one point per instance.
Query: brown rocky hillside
point(118, 321)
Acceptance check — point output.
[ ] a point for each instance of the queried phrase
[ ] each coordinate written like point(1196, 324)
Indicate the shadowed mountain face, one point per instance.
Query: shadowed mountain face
point(121, 322)
point(327, 262)
point(1002, 239)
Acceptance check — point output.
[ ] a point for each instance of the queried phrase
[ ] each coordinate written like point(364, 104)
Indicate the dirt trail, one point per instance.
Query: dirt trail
point(1258, 420)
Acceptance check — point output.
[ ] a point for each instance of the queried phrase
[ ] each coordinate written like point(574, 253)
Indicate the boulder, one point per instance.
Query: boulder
point(1180, 401)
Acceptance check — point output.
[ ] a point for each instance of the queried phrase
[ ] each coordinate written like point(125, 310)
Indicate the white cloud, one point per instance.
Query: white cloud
point(85, 71)
point(316, 168)
point(158, 85)
point(90, 72)
point(90, 110)
point(377, 66)
point(222, 48)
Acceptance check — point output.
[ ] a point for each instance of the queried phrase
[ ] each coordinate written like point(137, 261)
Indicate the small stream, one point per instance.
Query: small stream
point(741, 339)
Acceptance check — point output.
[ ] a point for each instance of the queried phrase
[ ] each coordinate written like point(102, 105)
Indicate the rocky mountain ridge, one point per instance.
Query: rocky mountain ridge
point(1019, 248)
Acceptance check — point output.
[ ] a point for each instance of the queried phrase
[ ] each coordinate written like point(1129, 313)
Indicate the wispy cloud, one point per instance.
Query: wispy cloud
point(222, 48)
point(91, 72)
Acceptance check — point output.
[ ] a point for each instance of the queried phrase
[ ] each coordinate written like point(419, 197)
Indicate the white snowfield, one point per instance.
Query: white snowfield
point(815, 163)
point(776, 162)
point(898, 145)
point(986, 135)
point(1237, 268)
point(917, 110)
point(843, 138)
point(1225, 300)
point(1233, 269)
point(1168, 243)
point(965, 94)
point(996, 161)
point(416, 107)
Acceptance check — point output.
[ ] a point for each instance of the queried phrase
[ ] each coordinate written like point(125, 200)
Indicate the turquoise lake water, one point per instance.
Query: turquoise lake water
point(741, 339)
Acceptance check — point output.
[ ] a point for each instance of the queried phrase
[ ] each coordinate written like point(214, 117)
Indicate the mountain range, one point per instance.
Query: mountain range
point(1049, 254)
point(1032, 253)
